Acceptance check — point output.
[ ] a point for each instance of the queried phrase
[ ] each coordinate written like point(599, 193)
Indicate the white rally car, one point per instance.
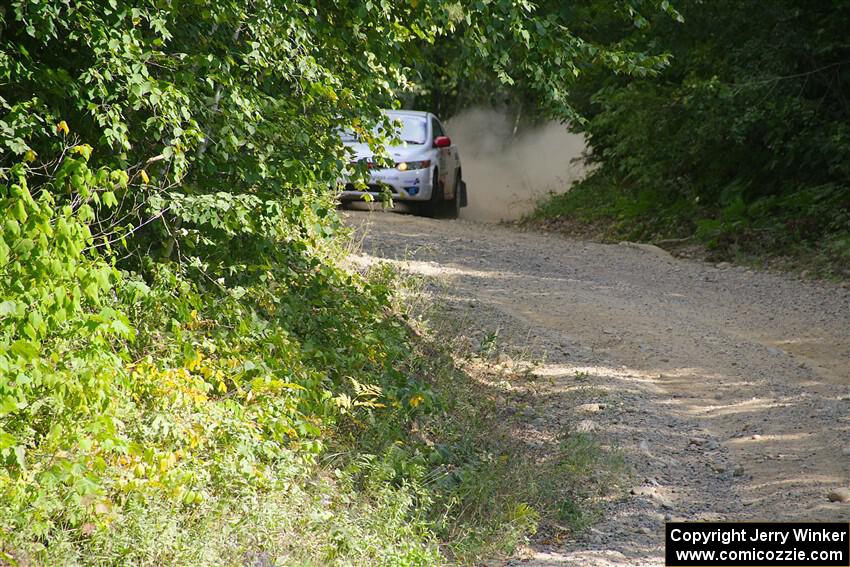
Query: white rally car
point(427, 172)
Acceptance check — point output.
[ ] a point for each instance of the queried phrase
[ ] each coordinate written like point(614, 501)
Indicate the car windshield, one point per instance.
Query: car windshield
point(413, 130)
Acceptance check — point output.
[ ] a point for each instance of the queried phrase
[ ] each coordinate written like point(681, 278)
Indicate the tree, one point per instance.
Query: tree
point(174, 326)
point(744, 139)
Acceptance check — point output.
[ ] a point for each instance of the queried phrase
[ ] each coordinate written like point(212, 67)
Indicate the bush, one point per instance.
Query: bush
point(205, 400)
point(743, 142)
point(180, 348)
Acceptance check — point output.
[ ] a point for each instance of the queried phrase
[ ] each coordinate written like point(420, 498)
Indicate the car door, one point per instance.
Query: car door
point(446, 163)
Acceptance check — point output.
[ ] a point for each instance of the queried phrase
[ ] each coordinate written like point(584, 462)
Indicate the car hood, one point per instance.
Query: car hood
point(411, 152)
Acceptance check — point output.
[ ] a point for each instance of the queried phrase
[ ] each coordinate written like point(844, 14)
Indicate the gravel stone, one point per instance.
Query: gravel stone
point(839, 495)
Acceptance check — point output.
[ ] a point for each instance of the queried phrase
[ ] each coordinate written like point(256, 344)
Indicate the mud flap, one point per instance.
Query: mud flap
point(462, 195)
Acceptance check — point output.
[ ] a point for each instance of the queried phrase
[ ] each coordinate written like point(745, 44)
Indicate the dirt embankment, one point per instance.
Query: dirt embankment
point(728, 390)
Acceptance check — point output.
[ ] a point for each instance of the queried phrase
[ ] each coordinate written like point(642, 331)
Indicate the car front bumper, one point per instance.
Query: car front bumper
point(413, 185)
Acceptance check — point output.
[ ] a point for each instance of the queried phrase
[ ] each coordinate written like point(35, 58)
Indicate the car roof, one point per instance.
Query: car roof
point(420, 113)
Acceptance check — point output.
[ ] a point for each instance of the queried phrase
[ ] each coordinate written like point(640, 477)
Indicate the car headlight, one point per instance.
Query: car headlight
point(405, 165)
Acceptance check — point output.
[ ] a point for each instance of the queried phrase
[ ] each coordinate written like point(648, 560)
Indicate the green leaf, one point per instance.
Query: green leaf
point(18, 211)
point(108, 199)
point(8, 307)
point(122, 329)
point(92, 290)
point(25, 349)
point(20, 456)
point(6, 439)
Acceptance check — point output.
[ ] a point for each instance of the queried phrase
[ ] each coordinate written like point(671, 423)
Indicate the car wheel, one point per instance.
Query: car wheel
point(451, 207)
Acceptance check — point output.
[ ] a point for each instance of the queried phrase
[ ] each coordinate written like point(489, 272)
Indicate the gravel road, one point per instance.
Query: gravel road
point(727, 389)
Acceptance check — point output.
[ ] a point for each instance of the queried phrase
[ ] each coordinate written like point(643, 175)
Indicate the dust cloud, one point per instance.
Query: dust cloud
point(506, 174)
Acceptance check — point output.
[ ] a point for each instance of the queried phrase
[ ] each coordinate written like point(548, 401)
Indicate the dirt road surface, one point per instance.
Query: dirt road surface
point(727, 389)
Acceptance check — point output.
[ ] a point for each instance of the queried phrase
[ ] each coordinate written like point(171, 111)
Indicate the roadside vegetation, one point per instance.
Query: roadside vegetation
point(497, 484)
point(740, 146)
point(188, 373)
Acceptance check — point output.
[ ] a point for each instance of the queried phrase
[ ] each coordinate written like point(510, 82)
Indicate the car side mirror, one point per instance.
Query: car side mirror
point(442, 142)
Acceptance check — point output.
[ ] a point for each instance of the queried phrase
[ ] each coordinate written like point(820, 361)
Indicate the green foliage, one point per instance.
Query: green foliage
point(523, 42)
point(807, 227)
point(489, 485)
point(743, 142)
point(178, 339)
point(316, 521)
point(601, 206)
point(58, 358)
point(122, 395)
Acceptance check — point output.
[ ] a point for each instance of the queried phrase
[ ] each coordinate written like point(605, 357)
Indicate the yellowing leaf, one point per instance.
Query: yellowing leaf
point(29, 156)
point(416, 400)
point(193, 363)
point(84, 150)
point(343, 401)
point(62, 127)
point(144, 176)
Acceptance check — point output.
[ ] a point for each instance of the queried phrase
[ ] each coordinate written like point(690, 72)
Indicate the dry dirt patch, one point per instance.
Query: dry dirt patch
point(727, 389)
